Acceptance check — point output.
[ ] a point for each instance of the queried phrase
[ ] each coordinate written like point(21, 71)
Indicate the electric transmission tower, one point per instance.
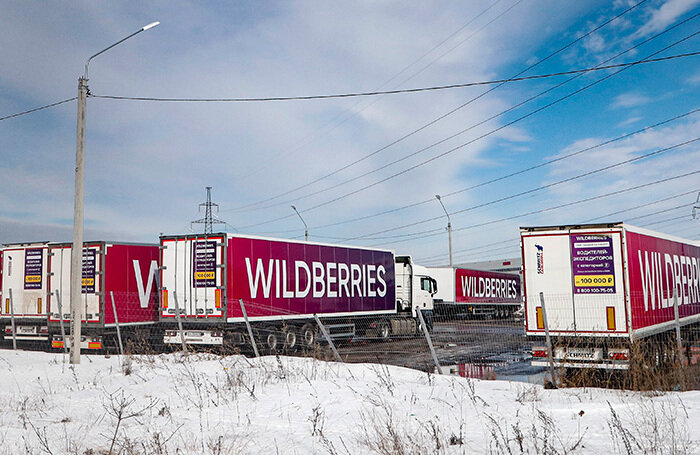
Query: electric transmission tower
point(209, 218)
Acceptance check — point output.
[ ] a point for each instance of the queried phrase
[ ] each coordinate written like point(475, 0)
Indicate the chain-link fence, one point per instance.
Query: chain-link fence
point(597, 335)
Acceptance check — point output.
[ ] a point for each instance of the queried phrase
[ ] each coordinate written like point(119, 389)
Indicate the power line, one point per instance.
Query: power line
point(447, 114)
point(463, 252)
point(422, 163)
point(512, 174)
point(569, 204)
point(436, 256)
point(7, 117)
point(686, 216)
point(629, 209)
point(427, 161)
point(533, 190)
point(466, 250)
point(659, 211)
point(347, 115)
point(397, 91)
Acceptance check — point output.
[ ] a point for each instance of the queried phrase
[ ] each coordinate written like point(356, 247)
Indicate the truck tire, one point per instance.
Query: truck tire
point(270, 339)
point(309, 335)
point(384, 330)
point(291, 340)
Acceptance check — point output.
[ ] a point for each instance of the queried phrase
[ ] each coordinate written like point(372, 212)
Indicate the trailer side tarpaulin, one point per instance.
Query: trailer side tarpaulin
point(277, 278)
point(476, 286)
point(657, 267)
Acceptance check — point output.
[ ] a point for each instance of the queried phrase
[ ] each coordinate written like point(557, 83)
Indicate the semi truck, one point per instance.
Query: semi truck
point(210, 285)
point(118, 287)
point(24, 288)
point(470, 292)
point(599, 289)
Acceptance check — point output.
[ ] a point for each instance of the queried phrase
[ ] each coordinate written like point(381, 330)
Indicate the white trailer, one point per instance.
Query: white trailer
point(475, 292)
point(24, 292)
point(598, 288)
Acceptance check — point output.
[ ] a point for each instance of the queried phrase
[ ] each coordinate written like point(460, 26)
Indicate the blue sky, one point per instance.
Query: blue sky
point(148, 163)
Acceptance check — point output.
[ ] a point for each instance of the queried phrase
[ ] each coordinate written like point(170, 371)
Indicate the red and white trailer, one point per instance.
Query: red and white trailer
point(283, 284)
point(476, 292)
point(24, 288)
point(600, 287)
point(126, 272)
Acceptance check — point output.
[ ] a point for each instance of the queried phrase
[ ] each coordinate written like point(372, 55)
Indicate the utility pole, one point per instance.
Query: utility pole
point(209, 219)
point(449, 226)
point(76, 259)
point(76, 256)
point(306, 228)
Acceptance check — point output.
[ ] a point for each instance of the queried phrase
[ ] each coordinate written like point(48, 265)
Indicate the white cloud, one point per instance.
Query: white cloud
point(665, 14)
point(629, 121)
point(628, 100)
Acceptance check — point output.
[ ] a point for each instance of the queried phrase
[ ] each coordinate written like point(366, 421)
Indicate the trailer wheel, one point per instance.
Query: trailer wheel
point(270, 337)
point(308, 335)
point(384, 330)
point(290, 338)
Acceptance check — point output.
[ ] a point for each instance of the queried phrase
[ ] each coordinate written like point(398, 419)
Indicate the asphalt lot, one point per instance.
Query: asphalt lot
point(483, 348)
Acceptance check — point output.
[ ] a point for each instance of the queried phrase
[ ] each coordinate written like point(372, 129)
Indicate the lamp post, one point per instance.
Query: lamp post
point(449, 225)
point(306, 228)
point(78, 208)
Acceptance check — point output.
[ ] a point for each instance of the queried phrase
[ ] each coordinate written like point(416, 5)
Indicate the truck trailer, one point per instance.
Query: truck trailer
point(470, 292)
point(212, 283)
point(118, 286)
point(23, 312)
point(600, 288)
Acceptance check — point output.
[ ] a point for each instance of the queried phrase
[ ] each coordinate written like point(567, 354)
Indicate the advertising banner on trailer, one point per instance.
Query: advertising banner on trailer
point(592, 264)
point(658, 268)
point(476, 286)
point(283, 278)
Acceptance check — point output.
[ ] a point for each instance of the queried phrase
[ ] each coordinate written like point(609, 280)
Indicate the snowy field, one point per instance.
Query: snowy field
point(202, 404)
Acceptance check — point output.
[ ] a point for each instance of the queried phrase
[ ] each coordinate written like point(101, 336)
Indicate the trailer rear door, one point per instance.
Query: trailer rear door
point(580, 273)
point(59, 282)
point(24, 272)
point(193, 276)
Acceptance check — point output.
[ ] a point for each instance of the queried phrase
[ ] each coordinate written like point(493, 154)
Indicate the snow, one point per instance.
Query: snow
point(235, 405)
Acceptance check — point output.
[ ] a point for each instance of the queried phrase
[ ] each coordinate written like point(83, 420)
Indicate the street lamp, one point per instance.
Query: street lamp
point(306, 228)
point(449, 225)
point(78, 211)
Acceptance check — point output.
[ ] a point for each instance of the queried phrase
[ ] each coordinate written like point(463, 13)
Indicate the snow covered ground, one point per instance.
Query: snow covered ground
point(175, 404)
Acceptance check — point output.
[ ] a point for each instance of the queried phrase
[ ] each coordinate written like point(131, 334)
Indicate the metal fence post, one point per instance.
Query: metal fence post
point(250, 330)
point(328, 337)
point(549, 340)
point(676, 315)
point(427, 337)
point(179, 322)
point(116, 322)
point(60, 322)
point(12, 317)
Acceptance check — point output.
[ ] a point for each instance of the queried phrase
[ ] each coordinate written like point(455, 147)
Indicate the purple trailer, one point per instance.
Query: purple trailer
point(283, 285)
